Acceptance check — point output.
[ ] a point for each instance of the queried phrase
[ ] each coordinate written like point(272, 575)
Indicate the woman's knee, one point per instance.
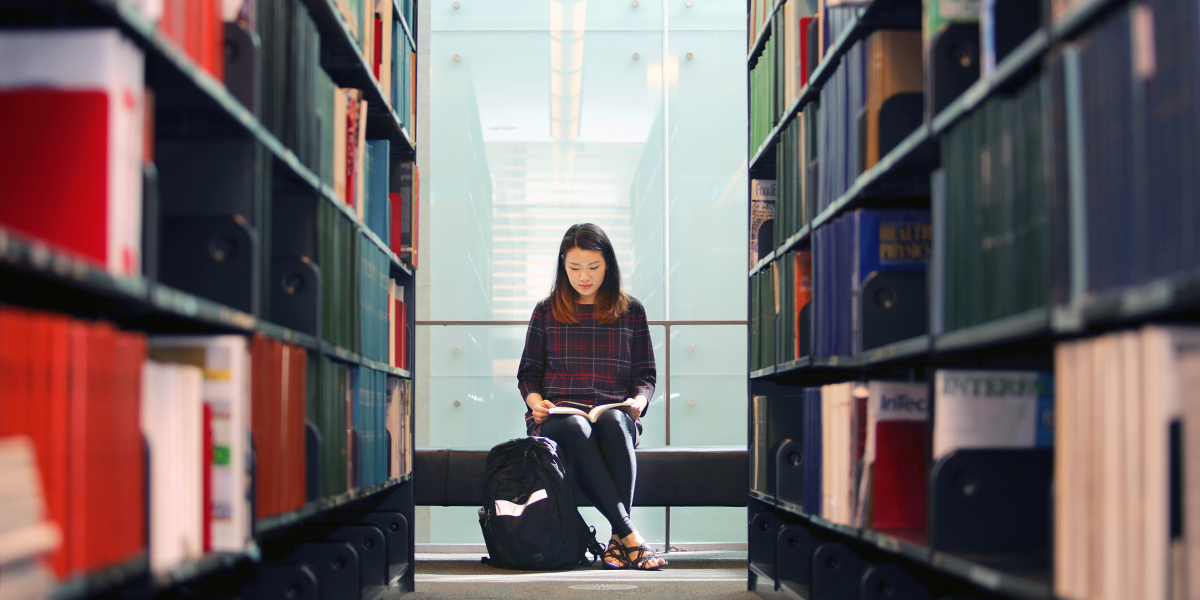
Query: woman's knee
point(566, 428)
point(615, 420)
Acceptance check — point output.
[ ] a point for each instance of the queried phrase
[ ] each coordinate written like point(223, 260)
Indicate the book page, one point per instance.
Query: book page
point(591, 415)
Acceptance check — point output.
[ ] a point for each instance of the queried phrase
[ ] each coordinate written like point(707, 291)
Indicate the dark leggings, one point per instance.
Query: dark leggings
point(602, 459)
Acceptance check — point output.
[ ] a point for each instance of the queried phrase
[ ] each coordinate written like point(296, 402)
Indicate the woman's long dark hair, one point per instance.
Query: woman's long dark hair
point(611, 302)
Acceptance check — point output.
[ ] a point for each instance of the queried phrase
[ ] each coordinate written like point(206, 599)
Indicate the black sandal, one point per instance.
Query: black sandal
point(647, 554)
point(615, 551)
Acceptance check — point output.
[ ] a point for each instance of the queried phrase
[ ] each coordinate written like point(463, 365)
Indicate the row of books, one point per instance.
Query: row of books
point(178, 427)
point(839, 128)
point(796, 167)
point(349, 152)
point(803, 32)
point(363, 421)
point(370, 418)
point(866, 108)
point(1126, 473)
point(377, 297)
point(89, 84)
point(81, 93)
point(290, 77)
point(279, 398)
point(387, 51)
point(851, 252)
point(764, 96)
point(404, 193)
point(87, 394)
point(197, 27)
point(760, 15)
point(330, 415)
point(781, 70)
point(397, 69)
point(835, 17)
point(339, 251)
point(1132, 80)
point(866, 449)
point(73, 387)
point(363, 309)
point(26, 534)
point(870, 103)
point(398, 332)
point(993, 205)
point(1004, 245)
point(377, 214)
point(777, 325)
point(763, 330)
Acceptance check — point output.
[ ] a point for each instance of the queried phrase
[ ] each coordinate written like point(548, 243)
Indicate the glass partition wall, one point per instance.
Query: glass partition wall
point(627, 114)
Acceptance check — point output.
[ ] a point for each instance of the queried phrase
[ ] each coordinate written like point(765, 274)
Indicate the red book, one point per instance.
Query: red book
point(269, 451)
point(96, 442)
point(54, 475)
point(287, 430)
point(36, 359)
point(206, 469)
point(804, 22)
point(44, 396)
point(8, 406)
point(300, 412)
point(803, 290)
point(896, 451)
point(172, 24)
point(193, 39)
point(216, 34)
point(278, 427)
point(75, 537)
point(18, 417)
point(33, 360)
point(66, 172)
point(298, 389)
point(401, 343)
point(127, 524)
point(378, 57)
point(75, 181)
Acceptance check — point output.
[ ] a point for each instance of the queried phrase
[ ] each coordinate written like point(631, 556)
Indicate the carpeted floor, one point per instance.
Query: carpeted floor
point(691, 576)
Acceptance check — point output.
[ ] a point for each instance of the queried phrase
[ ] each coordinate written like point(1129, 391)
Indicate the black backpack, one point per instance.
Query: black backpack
point(530, 520)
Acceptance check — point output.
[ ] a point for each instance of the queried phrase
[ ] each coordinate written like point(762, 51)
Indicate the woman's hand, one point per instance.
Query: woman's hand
point(634, 406)
point(540, 407)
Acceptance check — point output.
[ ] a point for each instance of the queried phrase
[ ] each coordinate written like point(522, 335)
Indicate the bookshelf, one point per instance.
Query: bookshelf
point(1019, 140)
point(291, 187)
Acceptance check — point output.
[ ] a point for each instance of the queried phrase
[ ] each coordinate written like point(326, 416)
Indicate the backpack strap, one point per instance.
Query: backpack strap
point(591, 545)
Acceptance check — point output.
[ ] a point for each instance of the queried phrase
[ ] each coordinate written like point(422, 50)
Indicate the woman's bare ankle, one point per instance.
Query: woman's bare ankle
point(633, 539)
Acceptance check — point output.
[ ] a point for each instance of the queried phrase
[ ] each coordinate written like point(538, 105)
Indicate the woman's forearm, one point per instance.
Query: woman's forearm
point(533, 400)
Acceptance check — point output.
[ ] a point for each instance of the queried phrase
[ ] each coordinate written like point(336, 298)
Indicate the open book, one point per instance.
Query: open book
point(591, 415)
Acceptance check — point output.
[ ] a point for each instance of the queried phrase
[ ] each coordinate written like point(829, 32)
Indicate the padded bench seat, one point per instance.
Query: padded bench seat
point(666, 476)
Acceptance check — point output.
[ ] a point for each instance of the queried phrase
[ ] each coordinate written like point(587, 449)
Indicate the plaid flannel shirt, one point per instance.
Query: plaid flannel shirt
point(588, 363)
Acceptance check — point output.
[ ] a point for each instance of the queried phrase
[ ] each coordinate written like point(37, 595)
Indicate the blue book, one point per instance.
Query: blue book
point(358, 422)
point(884, 240)
point(378, 152)
point(813, 443)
